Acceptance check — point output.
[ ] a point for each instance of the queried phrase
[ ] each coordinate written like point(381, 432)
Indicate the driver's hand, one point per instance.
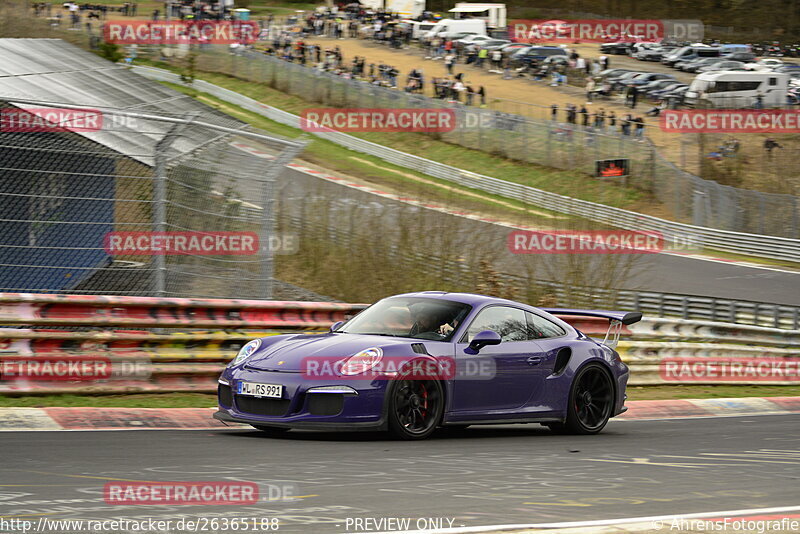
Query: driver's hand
point(445, 329)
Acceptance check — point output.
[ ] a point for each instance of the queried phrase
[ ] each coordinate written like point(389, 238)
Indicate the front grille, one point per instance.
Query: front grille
point(325, 403)
point(224, 395)
point(260, 406)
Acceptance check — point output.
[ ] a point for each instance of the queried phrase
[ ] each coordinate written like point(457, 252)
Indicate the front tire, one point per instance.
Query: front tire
point(415, 408)
point(591, 401)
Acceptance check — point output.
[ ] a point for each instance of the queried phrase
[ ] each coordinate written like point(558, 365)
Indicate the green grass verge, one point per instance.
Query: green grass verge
point(202, 400)
point(569, 183)
point(374, 170)
point(140, 400)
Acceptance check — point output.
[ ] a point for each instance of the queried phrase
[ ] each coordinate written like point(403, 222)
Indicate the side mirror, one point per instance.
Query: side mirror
point(336, 325)
point(482, 339)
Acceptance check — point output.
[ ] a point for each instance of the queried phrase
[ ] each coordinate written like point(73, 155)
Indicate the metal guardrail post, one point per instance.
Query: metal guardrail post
point(160, 199)
point(275, 168)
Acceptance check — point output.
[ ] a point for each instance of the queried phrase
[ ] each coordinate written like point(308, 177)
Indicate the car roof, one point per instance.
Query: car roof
point(473, 299)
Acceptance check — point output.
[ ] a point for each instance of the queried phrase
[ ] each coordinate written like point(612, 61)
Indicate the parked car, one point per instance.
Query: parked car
point(692, 66)
point(722, 65)
point(746, 57)
point(660, 93)
point(536, 53)
point(612, 73)
point(494, 44)
point(619, 47)
point(657, 85)
point(765, 64)
point(646, 78)
point(655, 54)
point(511, 48)
point(618, 81)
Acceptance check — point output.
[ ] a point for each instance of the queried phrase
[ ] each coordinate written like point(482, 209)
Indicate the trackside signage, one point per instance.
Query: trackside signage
point(712, 369)
point(377, 120)
point(181, 493)
point(587, 30)
point(177, 32)
point(731, 120)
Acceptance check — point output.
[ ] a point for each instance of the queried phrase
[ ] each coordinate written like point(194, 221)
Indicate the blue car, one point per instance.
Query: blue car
point(414, 362)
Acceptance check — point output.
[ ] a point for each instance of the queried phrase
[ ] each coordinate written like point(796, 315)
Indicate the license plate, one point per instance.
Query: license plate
point(260, 390)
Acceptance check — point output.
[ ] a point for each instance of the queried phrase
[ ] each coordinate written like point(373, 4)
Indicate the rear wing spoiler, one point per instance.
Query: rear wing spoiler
point(616, 320)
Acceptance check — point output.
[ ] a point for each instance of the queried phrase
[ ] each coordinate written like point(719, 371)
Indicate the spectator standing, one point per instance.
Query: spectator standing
point(590, 86)
point(554, 112)
point(497, 59)
point(769, 145)
point(482, 94)
point(612, 122)
point(626, 124)
point(600, 119)
point(639, 133)
point(449, 61)
point(584, 116)
point(604, 62)
point(482, 55)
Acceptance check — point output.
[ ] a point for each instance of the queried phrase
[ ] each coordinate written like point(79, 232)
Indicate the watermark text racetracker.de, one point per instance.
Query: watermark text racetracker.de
point(730, 120)
point(177, 32)
point(604, 30)
point(59, 120)
point(195, 243)
point(596, 242)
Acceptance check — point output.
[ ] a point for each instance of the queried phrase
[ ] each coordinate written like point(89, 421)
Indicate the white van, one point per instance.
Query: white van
point(419, 29)
point(476, 26)
point(738, 89)
point(493, 14)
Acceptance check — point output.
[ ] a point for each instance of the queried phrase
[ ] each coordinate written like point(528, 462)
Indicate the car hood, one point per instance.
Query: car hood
point(289, 354)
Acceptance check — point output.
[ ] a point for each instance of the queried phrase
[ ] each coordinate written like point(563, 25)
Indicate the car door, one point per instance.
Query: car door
point(550, 338)
point(497, 378)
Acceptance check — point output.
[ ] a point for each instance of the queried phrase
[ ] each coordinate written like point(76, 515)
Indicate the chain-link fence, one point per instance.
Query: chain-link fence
point(687, 197)
point(136, 204)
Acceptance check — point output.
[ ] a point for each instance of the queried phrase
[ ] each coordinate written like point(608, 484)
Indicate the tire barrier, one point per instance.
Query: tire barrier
point(87, 344)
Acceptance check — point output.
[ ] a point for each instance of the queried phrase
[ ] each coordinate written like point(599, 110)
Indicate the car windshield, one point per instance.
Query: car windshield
point(414, 317)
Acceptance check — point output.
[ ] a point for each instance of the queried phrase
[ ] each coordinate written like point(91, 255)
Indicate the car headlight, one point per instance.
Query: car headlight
point(362, 362)
point(245, 352)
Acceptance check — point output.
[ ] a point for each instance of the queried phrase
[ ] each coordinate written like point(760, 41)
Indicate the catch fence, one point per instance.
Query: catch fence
point(688, 198)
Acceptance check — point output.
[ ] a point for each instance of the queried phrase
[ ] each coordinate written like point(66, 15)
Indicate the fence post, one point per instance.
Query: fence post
point(274, 169)
point(160, 199)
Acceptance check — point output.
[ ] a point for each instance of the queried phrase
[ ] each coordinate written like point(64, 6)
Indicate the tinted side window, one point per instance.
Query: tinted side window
point(509, 322)
point(541, 328)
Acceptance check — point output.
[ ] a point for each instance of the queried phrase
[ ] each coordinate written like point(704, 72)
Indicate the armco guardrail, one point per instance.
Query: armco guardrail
point(777, 248)
point(68, 343)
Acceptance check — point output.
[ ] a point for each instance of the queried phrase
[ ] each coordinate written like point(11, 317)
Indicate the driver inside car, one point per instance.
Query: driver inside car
point(429, 319)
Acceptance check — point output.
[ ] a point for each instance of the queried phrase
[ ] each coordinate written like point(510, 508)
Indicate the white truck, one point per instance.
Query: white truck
point(737, 89)
point(493, 14)
point(410, 9)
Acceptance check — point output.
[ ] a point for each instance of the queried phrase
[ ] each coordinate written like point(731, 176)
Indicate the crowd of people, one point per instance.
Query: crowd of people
point(454, 87)
point(600, 121)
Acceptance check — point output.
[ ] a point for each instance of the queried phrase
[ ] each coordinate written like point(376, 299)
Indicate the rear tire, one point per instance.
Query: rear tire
point(591, 402)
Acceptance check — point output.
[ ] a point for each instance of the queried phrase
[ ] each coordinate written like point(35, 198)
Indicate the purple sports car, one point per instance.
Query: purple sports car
point(411, 363)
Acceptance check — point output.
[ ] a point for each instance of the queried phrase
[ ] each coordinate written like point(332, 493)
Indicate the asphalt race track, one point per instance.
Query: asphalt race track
point(477, 476)
point(652, 272)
